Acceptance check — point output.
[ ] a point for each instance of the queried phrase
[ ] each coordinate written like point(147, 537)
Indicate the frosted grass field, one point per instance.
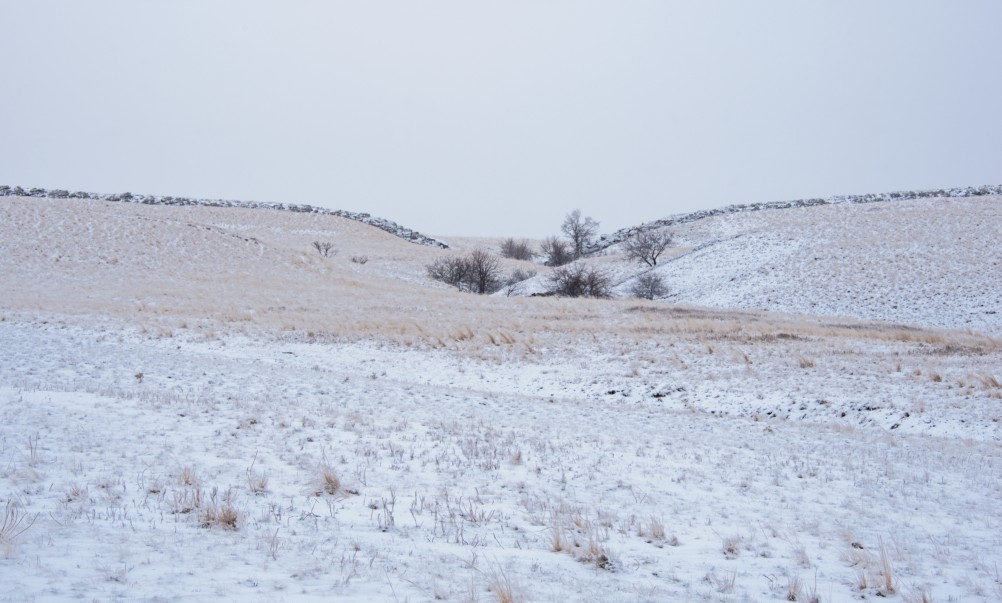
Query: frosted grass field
point(195, 405)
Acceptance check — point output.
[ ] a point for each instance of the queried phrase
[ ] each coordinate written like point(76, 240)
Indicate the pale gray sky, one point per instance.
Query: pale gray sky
point(497, 118)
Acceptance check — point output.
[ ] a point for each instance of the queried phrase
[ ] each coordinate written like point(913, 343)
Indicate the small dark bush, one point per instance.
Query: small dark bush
point(557, 251)
point(579, 280)
point(649, 286)
point(517, 250)
point(513, 284)
point(478, 272)
point(325, 249)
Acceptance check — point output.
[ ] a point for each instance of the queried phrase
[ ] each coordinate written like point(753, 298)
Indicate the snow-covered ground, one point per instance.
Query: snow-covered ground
point(195, 405)
point(928, 262)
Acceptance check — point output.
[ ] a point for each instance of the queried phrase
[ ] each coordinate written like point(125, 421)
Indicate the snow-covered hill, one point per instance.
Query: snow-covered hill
point(195, 404)
point(929, 262)
point(380, 223)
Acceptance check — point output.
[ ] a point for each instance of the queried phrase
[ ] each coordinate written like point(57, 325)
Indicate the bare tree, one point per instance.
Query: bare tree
point(649, 286)
point(579, 280)
point(325, 249)
point(556, 251)
point(484, 271)
point(516, 250)
point(648, 246)
point(581, 232)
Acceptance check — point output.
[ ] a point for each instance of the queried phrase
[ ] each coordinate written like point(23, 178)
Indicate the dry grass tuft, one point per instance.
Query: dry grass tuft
point(887, 575)
point(186, 476)
point(656, 529)
point(258, 483)
point(330, 483)
point(731, 546)
point(501, 585)
point(15, 523)
point(919, 596)
point(221, 514)
point(989, 381)
point(793, 588)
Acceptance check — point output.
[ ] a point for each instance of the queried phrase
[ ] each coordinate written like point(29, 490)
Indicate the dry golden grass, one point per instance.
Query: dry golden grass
point(501, 586)
point(330, 483)
point(207, 272)
point(886, 574)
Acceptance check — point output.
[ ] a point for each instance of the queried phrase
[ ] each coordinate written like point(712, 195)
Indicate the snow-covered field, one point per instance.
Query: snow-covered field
point(195, 405)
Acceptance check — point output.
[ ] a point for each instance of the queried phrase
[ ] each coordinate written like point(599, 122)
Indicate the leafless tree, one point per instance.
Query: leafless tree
point(649, 286)
point(648, 246)
point(556, 251)
point(579, 280)
point(484, 271)
point(581, 232)
point(325, 249)
point(516, 250)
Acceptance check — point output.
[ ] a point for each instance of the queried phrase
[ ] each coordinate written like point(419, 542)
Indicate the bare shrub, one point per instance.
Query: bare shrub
point(581, 231)
point(359, 259)
point(648, 246)
point(451, 270)
point(649, 286)
point(325, 248)
point(516, 250)
point(556, 251)
point(579, 280)
point(513, 284)
point(479, 271)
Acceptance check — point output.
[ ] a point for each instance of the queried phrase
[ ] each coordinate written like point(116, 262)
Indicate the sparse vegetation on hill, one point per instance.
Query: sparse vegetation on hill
point(624, 234)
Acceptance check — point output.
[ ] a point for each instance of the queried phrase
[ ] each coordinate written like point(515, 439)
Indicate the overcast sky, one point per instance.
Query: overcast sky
point(497, 118)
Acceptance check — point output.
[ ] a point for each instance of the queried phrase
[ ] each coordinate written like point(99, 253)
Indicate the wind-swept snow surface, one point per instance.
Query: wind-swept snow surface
point(930, 262)
point(195, 405)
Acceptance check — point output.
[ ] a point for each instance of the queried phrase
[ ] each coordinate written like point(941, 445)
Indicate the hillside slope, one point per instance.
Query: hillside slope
point(930, 262)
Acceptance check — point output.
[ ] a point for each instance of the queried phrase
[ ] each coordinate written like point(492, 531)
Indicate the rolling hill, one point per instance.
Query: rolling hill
point(195, 404)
